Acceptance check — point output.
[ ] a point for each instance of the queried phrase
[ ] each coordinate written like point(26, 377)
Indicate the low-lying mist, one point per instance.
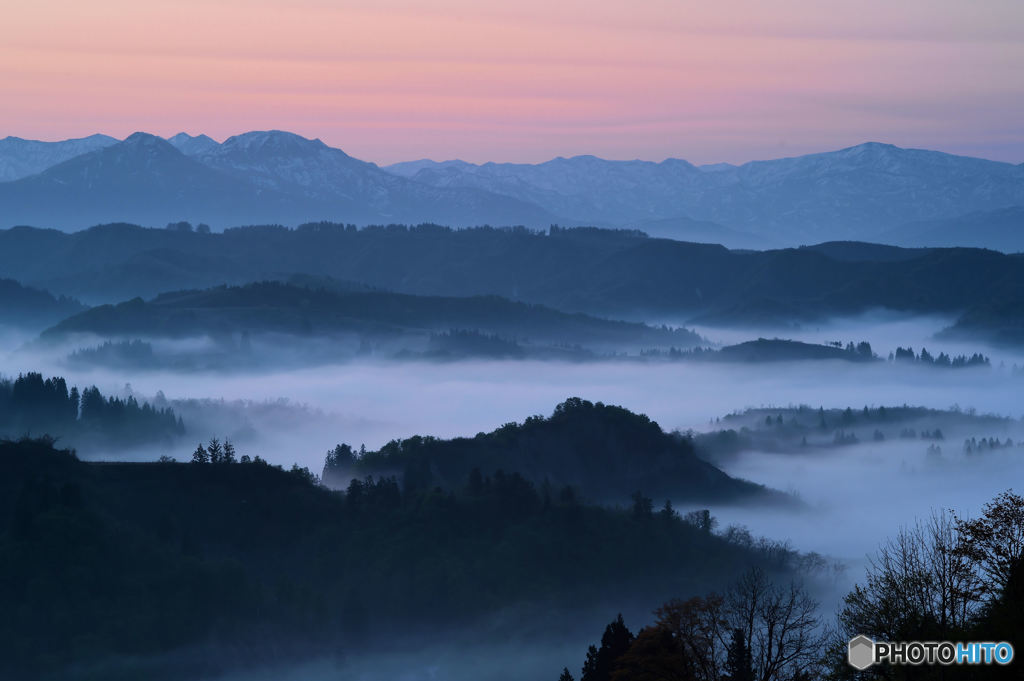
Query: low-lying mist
point(856, 495)
point(372, 402)
point(296, 416)
point(859, 495)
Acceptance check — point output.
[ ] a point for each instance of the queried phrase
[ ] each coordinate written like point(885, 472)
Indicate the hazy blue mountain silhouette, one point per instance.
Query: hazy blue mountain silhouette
point(253, 178)
point(20, 157)
point(142, 179)
point(1001, 229)
point(356, 190)
point(871, 191)
point(854, 193)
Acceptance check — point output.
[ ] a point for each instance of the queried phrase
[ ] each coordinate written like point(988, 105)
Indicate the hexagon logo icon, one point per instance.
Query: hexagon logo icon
point(861, 654)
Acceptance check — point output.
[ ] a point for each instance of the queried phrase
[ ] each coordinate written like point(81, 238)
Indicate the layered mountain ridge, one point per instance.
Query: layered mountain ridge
point(873, 191)
point(861, 192)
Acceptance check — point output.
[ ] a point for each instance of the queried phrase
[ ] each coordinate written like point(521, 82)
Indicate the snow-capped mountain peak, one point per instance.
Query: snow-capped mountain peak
point(276, 142)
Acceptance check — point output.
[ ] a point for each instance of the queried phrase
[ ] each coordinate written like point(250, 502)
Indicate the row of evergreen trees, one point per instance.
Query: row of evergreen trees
point(976, 446)
point(941, 360)
point(33, 404)
point(216, 453)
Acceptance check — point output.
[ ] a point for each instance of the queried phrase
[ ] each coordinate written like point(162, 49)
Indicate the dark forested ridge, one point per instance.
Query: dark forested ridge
point(603, 452)
point(188, 568)
point(779, 350)
point(598, 271)
point(32, 405)
point(23, 306)
point(785, 350)
point(277, 307)
point(1000, 229)
point(997, 321)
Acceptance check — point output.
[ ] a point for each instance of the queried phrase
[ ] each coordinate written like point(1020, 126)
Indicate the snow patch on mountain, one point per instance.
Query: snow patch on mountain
point(21, 157)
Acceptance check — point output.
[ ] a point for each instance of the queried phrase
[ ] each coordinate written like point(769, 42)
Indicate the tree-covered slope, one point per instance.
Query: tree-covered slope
point(603, 451)
point(276, 307)
point(24, 306)
point(998, 321)
point(176, 570)
point(779, 350)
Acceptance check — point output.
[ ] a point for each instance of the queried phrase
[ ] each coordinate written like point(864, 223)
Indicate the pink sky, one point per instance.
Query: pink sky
point(390, 80)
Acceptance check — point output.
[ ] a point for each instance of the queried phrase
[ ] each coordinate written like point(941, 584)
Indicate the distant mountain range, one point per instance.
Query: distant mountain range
point(256, 178)
point(863, 192)
point(870, 192)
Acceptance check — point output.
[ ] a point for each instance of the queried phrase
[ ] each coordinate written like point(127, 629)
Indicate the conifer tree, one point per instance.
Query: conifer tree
point(739, 662)
point(229, 452)
point(614, 644)
point(216, 453)
point(200, 455)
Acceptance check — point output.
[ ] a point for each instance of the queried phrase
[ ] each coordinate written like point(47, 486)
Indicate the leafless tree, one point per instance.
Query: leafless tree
point(920, 584)
point(995, 541)
point(782, 624)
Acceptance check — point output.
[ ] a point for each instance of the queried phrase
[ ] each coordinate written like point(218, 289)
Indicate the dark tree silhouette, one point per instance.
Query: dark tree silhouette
point(994, 542)
point(614, 643)
point(739, 664)
point(200, 455)
point(214, 448)
point(32, 404)
point(655, 655)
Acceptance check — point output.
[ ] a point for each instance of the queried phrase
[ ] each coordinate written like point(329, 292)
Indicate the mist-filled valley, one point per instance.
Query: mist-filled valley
point(796, 445)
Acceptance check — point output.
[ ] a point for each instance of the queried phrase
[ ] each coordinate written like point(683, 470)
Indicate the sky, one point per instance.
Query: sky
point(392, 80)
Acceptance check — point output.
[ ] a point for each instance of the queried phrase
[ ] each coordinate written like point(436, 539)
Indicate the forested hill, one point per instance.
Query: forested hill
point(186, 570)
point(778, 350)
point(997, 321)
point(287, 308)
point(598, 271)
point(23, 306)
point(604, 452)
